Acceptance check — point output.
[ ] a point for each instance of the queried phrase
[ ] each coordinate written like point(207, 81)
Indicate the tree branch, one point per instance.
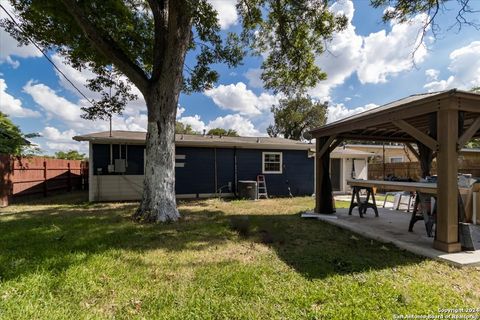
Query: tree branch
point(160, 16)
point(107, 46)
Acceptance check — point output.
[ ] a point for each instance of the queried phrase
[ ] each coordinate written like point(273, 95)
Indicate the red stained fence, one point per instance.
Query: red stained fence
point(39, 176)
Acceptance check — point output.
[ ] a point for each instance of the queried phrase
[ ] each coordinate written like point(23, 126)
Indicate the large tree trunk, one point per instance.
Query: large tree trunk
point(158, 201)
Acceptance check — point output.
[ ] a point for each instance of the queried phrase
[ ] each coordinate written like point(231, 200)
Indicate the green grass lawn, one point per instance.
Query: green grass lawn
point(64, 258)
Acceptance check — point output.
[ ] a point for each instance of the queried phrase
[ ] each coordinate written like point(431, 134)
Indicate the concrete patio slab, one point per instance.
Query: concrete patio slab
point(392, 227)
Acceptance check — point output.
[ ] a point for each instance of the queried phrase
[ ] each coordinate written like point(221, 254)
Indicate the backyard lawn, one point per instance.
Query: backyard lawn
point(65, 258)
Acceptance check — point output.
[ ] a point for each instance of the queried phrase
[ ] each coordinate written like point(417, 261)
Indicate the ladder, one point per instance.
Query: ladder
point(262, 187)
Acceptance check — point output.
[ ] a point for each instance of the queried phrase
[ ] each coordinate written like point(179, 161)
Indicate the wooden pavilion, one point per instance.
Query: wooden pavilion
point(439, 123)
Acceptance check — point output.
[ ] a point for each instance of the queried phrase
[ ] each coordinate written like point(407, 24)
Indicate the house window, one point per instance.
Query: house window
point(271, 162)
point(396, 159)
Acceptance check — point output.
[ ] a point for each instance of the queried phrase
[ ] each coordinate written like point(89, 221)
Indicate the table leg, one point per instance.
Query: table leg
point(352, 202)
point(374, 204)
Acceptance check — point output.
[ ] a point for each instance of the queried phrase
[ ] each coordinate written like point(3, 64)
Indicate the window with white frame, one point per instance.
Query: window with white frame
point(271, 162)
point(396, 159)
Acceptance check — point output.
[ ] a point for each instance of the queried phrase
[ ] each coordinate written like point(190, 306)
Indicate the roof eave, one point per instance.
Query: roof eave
point(211, 144)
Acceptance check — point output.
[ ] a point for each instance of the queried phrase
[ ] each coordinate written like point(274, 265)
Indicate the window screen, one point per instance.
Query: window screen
point(272, 162)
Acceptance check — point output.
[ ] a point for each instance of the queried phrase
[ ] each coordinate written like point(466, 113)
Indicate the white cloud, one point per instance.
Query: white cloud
point(53, 140)
point(339, 111)
point(465, 69)
point(389, 54)
point(80, 80)
point(227, 12)
point(441, 85)
point(343, 55)
point(13, 106)
point(52, 147)
point(52, 103)
point(180, 111)
point(243, 126)
point(238, 98)
point(52, 133)
point(253, 77)
point(432, 74)
point(373, 58)
point(194, 121)
point(10, 47)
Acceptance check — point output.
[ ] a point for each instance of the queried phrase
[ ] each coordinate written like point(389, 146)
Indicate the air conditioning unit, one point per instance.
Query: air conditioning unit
point(120, 166)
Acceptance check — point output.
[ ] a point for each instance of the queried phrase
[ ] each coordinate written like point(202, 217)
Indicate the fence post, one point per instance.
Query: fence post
point(45, 187)
point(6, 186)
point(69, 181)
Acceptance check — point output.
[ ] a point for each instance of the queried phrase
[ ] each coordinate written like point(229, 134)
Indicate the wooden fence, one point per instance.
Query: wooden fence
point(39, 176)
point(412, 169)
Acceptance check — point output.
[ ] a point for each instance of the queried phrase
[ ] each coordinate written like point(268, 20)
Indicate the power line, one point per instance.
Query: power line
point(45, 55)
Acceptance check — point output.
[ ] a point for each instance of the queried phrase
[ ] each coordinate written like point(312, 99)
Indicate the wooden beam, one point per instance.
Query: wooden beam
point(335, 144)
point(446, 238)
point(413, 150)
point(376, 138)
point(417, 134)
point(325, 147)
point(469, 133)
point(469, 106)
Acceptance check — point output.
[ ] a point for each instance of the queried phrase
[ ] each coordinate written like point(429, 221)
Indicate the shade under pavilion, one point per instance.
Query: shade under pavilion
point(439, 123)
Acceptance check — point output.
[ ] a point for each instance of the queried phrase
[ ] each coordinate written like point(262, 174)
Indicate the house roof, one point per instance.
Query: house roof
point(378, 124)
point(341, 152)
point(188, 140)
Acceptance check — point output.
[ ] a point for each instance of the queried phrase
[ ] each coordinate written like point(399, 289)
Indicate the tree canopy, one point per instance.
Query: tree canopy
point(12, 140)
point(146, 42)
point(182, 128)
point(404, 10)
point(223, 132)
point(296, 116)
point(70, 155)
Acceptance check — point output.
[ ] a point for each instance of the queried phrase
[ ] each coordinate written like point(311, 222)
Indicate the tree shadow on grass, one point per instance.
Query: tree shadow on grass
point(51, 238)
point(316, 249)
point(35, 239)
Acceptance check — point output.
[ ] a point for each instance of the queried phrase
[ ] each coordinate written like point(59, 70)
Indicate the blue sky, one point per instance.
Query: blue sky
point(368, 64)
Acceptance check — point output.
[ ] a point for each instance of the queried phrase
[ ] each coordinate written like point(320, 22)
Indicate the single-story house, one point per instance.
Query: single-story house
point(209, 165)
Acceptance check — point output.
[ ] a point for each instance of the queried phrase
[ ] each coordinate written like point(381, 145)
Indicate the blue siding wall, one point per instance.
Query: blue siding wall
point(297, 171)
point(198, 173)
point(225, 169)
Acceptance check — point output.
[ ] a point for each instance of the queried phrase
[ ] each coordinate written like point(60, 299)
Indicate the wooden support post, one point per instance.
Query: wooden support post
point(45, 186)
point(325, 147)
point(6, 185)
point(446, 238)
point(323, 190)
point(69, 178)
